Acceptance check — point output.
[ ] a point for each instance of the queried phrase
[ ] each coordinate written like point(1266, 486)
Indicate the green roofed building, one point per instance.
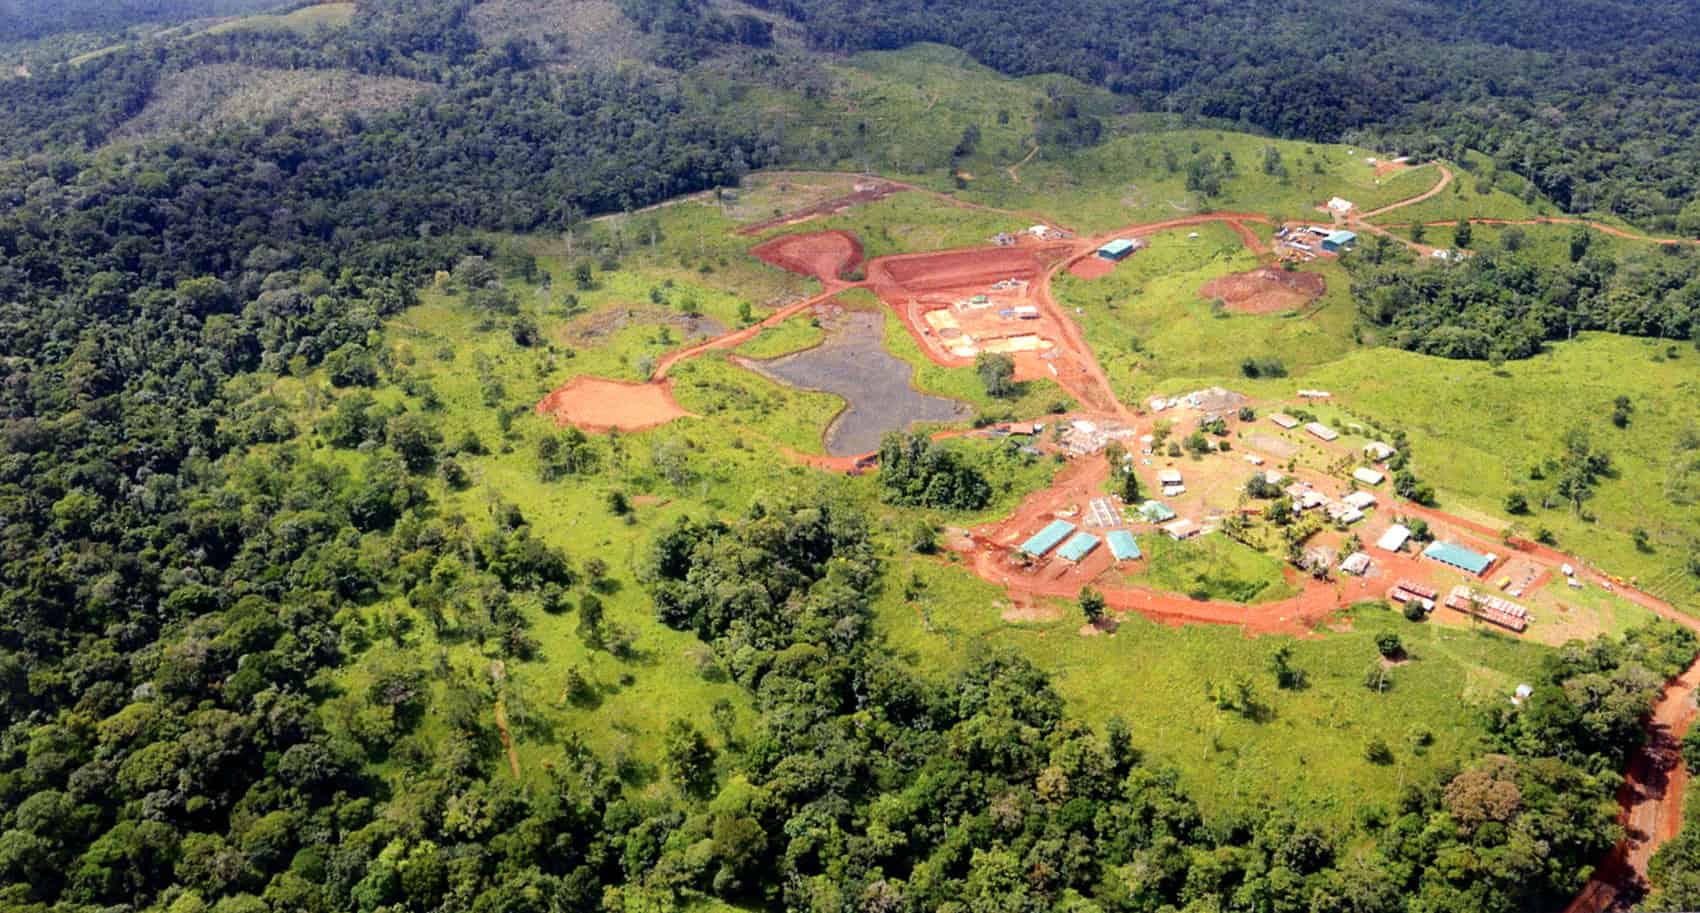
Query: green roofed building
point(1458, 556)
point(1156, 512)
point(1046, 539)
point(1122, 545)
point(1116, 250)
point(1079, 547)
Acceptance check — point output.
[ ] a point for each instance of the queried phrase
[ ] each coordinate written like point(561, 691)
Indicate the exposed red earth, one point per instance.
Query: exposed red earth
point(825, 255)
point(598, 406)
point(1265, 290)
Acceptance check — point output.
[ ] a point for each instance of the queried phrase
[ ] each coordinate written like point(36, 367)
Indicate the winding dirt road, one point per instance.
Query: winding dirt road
point(1445, 179)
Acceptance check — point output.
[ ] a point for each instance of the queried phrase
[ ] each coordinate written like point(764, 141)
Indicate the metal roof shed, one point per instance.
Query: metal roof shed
point(1458, 556)
point(1116, 250)
point(1046, 539)
point(1079, 547)
point(1394, 539)
point(1122, 545)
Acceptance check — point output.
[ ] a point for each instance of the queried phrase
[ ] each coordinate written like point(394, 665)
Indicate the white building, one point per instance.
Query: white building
point(1362, 500)
point(1367, 475)
point(1394, 539)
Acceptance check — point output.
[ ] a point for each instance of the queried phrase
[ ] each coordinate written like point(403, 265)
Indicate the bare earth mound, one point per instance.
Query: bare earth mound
point(1265, 290)
point(955, 269)
point(825, 255)
point(598, 405)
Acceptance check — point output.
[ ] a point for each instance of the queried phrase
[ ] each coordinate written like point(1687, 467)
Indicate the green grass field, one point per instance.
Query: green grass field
point(794, 335)
point(906, 223)
point(1306, 746)
point(1210, 567)
point(1153, 332)
point(306, 19)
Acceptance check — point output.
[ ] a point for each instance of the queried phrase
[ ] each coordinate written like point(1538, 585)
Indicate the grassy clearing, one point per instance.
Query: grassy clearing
point(794, 335)
point(716, 389)
point(667, 677)
point(1478, 431)
point(306, 19)
point(1309, 744)
point(911, 223)
point(1148, 325)
point(1477, 192)
point(1211, 567)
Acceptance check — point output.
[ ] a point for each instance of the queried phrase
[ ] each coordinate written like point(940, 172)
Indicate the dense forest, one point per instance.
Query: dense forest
point(180, 572)
point(1504, 303)
point(26, 19)
point(1598, 103)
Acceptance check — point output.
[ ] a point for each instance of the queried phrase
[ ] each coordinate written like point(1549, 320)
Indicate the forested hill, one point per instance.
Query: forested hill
point(1598, 102)
point(25, 19)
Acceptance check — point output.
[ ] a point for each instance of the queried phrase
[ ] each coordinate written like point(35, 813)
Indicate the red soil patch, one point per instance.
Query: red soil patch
point(957, 269)
point(1091, 266)
point(598, 405)
point(1265, 290)
point(1383, 168)
point(825, 255)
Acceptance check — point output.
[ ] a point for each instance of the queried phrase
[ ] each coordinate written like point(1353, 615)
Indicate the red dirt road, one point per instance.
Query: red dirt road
point(1601, 227)
point(738, 337)
point(1445, 179)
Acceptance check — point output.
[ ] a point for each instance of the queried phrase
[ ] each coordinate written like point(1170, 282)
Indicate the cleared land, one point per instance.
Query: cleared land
point(1265, 290)
point(210, 98)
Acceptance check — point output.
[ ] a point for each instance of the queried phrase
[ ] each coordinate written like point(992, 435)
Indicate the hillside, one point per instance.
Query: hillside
point(218, 97)
point(540, 455)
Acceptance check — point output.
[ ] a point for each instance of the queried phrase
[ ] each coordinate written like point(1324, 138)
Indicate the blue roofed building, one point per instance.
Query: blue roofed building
point(1339, 241)
point(1454, 555)
point(1117, 249)
point(1079, 547)
point(1046, 539)
point(1122, 545)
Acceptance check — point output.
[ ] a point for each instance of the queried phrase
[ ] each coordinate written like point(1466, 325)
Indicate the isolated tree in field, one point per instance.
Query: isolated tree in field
point(689, 758)
point(1516, 503)
point(1419, 232)
point(1461, 235)
point(1092, 605)
point(582, 278)
point(1621, 410)
point(997, 373)
point(1389, 645)
point(1281, 663)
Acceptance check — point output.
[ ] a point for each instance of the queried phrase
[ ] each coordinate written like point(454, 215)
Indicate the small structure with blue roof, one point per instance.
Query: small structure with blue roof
point(1339, 241)
point(1079, 547)
point(1122, 545)
point(1117, 249)
point(1046, 539)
